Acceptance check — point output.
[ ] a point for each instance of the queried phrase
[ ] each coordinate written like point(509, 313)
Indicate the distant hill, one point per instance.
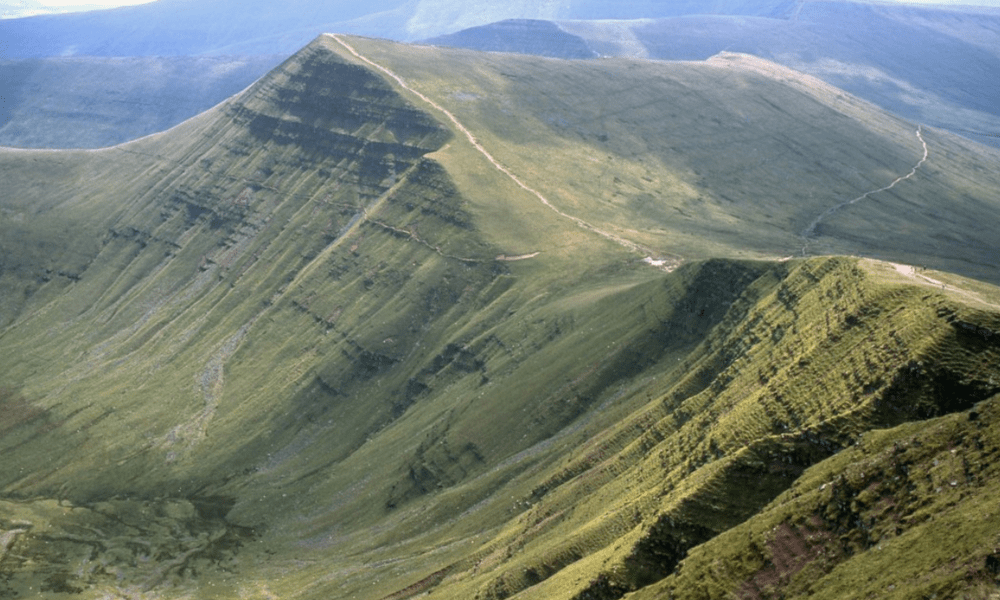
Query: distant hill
point(402, 320)
point(91, 102)
point(934, 65)
point(524, 36)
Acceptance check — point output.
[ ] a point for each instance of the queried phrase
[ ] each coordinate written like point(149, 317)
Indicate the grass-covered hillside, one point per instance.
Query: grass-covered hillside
point(402, 320)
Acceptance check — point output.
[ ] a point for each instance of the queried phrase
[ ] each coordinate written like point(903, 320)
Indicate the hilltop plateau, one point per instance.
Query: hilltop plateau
point(403, 320)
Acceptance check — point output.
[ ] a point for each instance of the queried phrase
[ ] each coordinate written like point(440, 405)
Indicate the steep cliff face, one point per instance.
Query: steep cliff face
point(238, 292)
point(341, 337)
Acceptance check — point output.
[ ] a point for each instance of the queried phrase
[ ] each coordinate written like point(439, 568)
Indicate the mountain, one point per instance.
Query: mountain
point(933, 65)
point(23, 8)
point(402, 320)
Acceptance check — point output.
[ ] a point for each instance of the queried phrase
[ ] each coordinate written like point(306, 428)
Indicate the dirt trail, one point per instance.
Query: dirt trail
point(810, 231)
point(7, 539)
point(628, 244)
point(913, 273)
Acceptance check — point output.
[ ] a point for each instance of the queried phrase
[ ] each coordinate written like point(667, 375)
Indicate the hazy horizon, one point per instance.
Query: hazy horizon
point(85, 5)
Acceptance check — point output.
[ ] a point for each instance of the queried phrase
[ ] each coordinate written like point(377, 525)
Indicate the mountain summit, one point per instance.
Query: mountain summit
point(402, 320)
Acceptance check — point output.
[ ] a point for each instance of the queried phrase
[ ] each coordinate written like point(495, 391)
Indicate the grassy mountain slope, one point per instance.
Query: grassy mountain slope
point(914, 70)
point(317, 343)
point(857, 525)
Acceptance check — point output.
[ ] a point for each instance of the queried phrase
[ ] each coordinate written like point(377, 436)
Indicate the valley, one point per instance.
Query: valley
point(400, 321)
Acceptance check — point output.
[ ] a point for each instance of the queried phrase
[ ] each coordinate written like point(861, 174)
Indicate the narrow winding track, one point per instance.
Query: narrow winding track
point(627, 244)
point(810, 231)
